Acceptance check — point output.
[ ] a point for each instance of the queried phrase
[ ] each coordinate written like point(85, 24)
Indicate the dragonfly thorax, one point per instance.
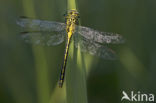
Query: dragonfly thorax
point(71, 20)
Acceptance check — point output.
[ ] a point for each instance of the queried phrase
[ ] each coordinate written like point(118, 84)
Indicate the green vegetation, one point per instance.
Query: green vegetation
point(76, 91)
point(30, 74)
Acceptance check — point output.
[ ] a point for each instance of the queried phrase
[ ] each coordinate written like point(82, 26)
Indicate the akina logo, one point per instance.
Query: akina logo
point(138, 96)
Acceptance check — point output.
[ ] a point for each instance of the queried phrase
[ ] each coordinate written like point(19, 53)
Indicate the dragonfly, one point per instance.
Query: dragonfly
point(51, 33)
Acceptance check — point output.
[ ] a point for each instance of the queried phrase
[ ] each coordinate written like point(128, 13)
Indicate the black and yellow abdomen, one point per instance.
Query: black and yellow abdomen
point(62, 74)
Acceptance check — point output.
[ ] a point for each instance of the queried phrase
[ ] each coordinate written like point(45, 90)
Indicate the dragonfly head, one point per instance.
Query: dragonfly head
point(72, 16)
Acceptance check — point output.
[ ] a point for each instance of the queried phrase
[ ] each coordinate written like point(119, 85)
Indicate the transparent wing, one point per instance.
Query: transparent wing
point(43, 38)
point(100, 37)
point(40, 25)
point(94, 48)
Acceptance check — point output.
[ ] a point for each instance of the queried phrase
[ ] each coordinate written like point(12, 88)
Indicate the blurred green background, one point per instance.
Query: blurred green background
point(30, 74)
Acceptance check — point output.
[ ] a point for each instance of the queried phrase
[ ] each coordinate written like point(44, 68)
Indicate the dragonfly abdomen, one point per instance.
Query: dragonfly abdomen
point(62, 74)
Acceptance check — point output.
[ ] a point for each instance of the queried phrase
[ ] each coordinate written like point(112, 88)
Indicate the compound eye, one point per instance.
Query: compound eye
point(65, 15)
